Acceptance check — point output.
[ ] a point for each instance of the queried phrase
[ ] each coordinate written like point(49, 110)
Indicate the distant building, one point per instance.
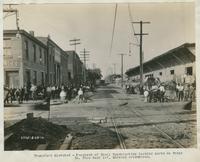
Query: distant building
point(57, 63)
point(177, 64)
point(64, 68)
point(75, 68)
point(25, 59)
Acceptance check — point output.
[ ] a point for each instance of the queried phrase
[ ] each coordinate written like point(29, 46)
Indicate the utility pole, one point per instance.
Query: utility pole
point(85, 56)
point(122, 68)
point(141, 51)
point(16, 13)
point(74, 42)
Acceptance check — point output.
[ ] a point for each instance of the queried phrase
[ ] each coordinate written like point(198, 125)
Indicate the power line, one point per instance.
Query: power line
point(131, 20)
point(113, 31)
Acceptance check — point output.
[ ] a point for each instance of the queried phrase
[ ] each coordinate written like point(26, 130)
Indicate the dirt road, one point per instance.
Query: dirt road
point(135, 124)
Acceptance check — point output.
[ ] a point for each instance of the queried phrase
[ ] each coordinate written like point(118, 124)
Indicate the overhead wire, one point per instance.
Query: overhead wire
point(113, 30)
point(131, 20)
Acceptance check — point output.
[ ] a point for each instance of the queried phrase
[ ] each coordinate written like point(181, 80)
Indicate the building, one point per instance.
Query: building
point(57, 63)
point(25, 59)
point(75, 68)
point(64, 68)
point(177, 64)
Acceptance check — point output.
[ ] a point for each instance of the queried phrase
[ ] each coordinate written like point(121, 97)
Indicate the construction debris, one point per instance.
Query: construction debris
point(31, 132)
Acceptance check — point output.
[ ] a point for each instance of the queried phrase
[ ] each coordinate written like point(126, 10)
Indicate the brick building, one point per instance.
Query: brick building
point(25, 59)
point(75, 68)
point(57, 62)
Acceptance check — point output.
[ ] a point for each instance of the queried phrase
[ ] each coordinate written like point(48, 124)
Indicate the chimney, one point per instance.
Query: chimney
point(31, 33)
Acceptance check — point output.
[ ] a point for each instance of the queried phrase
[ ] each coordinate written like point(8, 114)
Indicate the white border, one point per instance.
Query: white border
point(189, 155)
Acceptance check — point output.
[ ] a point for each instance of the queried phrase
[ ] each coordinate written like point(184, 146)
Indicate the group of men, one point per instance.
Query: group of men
point(33, 92)
point(184, 92)
point(156, 91)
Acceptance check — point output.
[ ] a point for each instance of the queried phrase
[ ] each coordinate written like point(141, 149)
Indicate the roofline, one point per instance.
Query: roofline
point(21, 31)
point(74, 53)
point(49, 39)
point(186, 45)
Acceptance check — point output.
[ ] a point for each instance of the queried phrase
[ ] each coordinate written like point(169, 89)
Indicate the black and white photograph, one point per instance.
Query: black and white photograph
point(99, 76)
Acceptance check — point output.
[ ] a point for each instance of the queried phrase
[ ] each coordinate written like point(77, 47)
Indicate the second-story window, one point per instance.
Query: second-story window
point(45, 57)
point(26, 50)
point(40, 56)
point(34, 53)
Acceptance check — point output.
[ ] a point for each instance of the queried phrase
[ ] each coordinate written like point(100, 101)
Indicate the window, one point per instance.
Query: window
point(26, 50)
point(34, 53)
point(40, 55)
point(69, 75)
point(189, 70)
point(35, 77)
point(50, 59)
point(160, 73)
point(45, 58)
point(42, 77)
point(172, 72)
point(53, 59)
point(7, 47)
point(6, 38)
point(51, 78)
point(28, 77)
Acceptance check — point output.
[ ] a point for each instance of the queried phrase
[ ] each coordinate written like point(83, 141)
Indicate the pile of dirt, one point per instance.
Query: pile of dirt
point(29, 133)
point(93, 136)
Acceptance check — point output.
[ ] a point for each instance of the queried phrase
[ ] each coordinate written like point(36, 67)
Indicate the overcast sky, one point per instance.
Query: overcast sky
point(172, 24)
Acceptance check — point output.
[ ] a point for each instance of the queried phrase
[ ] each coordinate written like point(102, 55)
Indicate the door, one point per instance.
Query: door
point(28, 77)
point(12, 79)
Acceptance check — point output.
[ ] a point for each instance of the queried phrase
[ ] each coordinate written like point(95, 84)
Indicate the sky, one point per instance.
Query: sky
point(171, 25)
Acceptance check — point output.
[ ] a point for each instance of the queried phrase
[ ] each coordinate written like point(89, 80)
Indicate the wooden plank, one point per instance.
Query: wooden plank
point(66, 142)
point(7, 136)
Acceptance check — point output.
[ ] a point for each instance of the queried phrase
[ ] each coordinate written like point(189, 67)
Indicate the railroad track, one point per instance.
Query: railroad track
point(164, 134)
point(119, 135)
point(115, 125)
point(138, 114)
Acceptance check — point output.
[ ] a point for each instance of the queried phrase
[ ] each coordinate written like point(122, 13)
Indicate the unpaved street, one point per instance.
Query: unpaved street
point(112, 113)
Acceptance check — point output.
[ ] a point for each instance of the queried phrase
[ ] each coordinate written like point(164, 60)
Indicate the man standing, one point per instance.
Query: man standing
point(180, 92)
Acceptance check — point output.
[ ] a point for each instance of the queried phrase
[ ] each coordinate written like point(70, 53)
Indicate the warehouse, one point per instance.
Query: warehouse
point(177, 64)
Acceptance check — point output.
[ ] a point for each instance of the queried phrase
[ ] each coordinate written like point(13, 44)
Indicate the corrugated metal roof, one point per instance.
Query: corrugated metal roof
point(177, 56)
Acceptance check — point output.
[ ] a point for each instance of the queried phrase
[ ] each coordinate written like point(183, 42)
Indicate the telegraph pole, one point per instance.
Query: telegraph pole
point(85, 56)
point(74, 42)
point(15, 11)
point(122, 67)
point(141, 51)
